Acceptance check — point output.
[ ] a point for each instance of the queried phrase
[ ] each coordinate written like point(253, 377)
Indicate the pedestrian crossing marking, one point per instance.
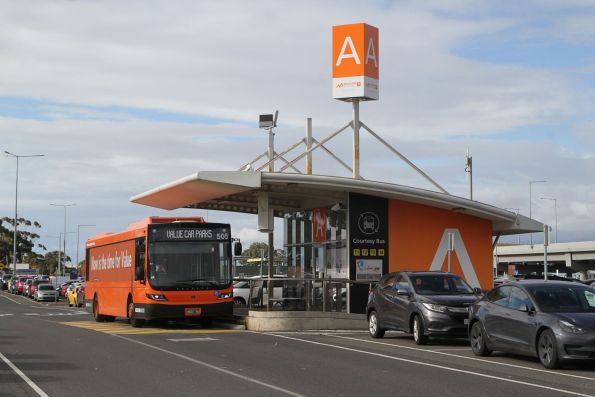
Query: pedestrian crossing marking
point(126, 329)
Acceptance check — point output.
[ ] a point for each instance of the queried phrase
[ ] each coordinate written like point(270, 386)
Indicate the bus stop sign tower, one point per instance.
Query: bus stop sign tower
point(355, 72)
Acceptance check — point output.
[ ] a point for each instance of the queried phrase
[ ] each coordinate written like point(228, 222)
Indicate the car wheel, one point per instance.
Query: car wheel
point(239, 301)
point(134, 321)
point(547, 350)
point(478, 340)
point(374, 325)
point(418, 331)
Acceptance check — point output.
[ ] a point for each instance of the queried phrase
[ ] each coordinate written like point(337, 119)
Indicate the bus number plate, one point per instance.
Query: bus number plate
point(193, 311)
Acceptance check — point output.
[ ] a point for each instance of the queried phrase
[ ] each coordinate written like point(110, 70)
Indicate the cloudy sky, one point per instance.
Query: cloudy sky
point(123, 96)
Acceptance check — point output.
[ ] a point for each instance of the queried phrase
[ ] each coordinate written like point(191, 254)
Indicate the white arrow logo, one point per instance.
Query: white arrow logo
point(459, 248)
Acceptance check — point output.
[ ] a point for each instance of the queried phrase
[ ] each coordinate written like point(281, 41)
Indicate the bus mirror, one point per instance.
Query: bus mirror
point(237, 248)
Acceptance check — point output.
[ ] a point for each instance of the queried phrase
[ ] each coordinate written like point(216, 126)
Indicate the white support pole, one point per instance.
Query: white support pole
point(355, 164)
point(309, 146)
point(545, 244)
point(271, 150)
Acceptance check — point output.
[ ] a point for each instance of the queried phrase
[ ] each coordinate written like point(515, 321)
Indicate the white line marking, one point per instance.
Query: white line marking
point(23, 376)
point(12, 300)
point(433, 365)
point(465, 357)
point(6, 314)
point(192, 340)
point(213, 367)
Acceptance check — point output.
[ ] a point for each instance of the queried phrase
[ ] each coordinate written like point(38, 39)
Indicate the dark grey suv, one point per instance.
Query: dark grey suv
point(425, 304)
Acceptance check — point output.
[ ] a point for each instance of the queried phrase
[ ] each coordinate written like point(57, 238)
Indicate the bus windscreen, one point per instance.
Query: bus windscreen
point(189, 265)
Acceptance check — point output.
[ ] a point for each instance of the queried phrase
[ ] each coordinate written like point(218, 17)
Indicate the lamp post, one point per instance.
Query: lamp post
point(78, 231)
point(531, 204)
point(16, 201)
point(63, 205)
point(555, 200)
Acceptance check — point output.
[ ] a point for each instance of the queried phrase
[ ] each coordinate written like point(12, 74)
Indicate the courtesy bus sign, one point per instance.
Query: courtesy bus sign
point(355, 62)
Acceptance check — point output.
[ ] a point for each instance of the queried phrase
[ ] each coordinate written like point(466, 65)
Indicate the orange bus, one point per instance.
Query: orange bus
point(160, 268)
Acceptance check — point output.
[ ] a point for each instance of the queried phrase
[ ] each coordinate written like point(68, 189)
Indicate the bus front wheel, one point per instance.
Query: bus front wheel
point(134, 321)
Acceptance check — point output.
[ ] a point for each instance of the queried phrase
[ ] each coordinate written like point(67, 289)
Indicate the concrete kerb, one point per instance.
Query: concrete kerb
point(300, 321)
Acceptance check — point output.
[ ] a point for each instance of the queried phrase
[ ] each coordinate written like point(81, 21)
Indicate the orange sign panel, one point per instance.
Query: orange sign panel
point(419, 240)
point(319, 224)
point(355, 62)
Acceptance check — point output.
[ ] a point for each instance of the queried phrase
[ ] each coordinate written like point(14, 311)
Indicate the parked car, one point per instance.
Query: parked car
point(20, 284)
point(241, 291)
point(426, 304)
point(64, 288)
point(32, 288)
point(45, 292)
point(72, 294)
point(80, 296)
point(552, 320)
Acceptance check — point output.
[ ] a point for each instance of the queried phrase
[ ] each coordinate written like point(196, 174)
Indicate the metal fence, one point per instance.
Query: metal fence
point(297, 294)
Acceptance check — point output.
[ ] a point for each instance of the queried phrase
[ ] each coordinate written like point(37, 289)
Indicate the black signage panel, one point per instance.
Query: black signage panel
point(368, 244)
point(175, 232)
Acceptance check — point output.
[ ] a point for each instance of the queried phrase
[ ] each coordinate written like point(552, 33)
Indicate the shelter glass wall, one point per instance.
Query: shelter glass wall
point(326, 257)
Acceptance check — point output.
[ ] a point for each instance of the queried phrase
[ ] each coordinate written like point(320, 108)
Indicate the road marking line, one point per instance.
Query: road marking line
point(6, 314)
point(12, 300)
point(24, 377)
point(124, 329)
point(433, 365)
point(193, 340)
point(465, 357)
point(213, 367)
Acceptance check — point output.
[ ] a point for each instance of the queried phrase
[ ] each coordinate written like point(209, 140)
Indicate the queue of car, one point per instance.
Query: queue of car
point(552, 320)
point(40, 289)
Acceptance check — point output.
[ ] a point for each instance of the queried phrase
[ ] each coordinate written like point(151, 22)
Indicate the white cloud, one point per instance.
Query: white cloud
point(231, 60)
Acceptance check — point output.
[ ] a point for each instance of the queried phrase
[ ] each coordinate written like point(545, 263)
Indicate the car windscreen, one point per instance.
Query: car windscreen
point(569, 298)
point(440, 284)
point(48, 287)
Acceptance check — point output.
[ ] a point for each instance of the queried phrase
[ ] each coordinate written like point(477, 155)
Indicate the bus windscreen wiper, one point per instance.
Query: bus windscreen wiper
point(197, 281)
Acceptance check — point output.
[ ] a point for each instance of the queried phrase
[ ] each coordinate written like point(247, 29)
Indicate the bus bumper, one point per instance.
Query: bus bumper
point(159, 311)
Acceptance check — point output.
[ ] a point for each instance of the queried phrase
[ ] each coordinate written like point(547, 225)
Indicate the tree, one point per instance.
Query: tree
point(49, 263)
point(26, 239)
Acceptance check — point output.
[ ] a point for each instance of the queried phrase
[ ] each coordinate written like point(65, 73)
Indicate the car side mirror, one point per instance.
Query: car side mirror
point(526, 309)
point(478, 291)
point(237, 248)
point(402, 291)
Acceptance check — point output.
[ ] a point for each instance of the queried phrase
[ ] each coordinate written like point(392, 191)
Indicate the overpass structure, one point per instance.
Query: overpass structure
point(563, 258)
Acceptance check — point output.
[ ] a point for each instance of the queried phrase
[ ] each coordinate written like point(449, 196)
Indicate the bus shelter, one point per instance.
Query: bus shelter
point(352, 231)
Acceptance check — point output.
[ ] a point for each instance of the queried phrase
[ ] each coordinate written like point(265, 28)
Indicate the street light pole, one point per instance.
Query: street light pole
point(78, 231)
point(16, 201)
point(63, 205)
point(555, 200)
point(531, 204)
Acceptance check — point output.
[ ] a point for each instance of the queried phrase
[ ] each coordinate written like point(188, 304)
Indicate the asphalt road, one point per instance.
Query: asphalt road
point(53, 350)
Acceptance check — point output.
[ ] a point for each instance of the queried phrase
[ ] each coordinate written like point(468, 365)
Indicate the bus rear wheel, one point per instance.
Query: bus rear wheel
point(134, 321)
point(98, 317)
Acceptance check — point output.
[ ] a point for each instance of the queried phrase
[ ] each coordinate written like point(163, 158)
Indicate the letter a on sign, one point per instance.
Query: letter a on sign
point(355, 62)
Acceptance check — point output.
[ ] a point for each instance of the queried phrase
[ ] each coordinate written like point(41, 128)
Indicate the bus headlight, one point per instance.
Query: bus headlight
point(225, 296)
point(157, 297)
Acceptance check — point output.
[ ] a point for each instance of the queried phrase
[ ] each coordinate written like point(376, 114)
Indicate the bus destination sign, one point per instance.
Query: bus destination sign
point(189, 234)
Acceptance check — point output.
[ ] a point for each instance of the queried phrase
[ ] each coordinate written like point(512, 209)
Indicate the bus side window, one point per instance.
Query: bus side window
point(139, 262)
point(87, 265)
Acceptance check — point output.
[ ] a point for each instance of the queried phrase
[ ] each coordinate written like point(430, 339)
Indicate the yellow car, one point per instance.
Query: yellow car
point(72, 295)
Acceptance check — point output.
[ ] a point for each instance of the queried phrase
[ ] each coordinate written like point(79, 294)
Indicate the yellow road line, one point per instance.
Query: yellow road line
point(124, 329)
